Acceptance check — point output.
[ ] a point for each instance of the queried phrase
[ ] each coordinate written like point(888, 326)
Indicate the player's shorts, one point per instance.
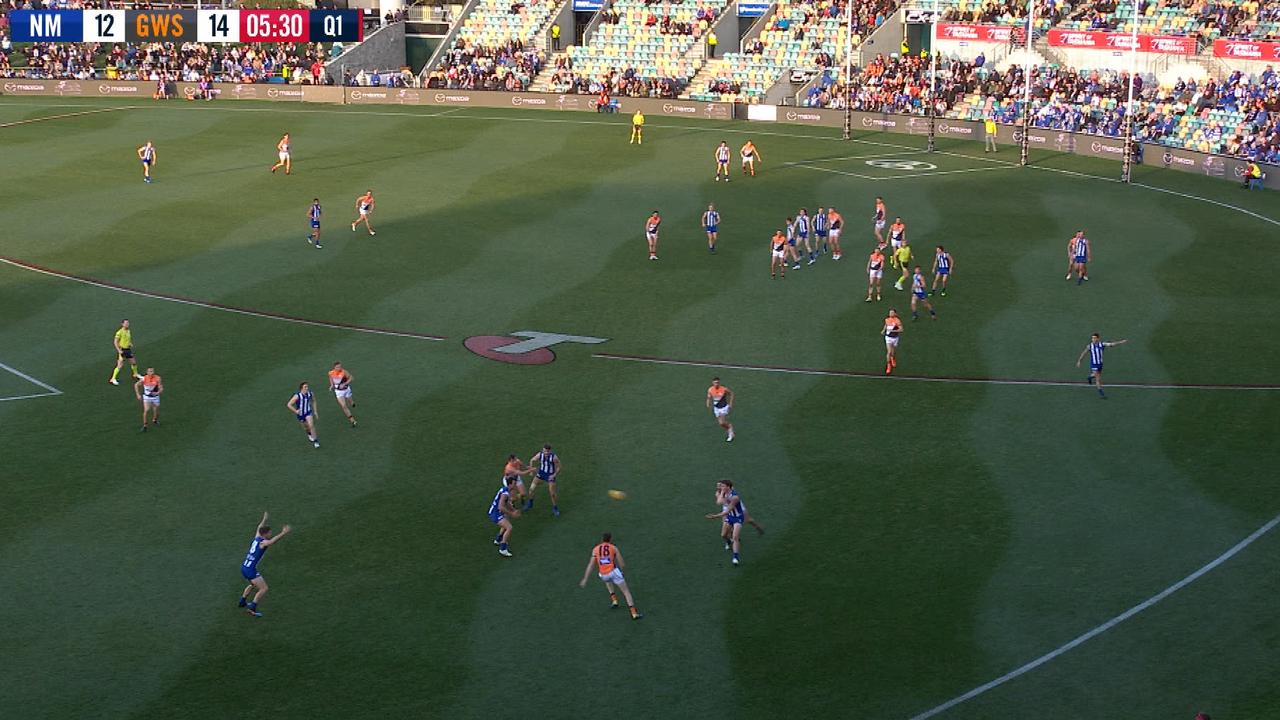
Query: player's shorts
point(747, 159)
point(146, 162)
point(315, 224)
point(126, 353)
point(921, 294)
point(820, 233)
point(364, 212)
point(791, 242)
point(780, 254)
point(545, 477)
point(495, 518)
point(720, 411)
point(944, 271)
point(804, 236)
point(343, 392)
point(895, 243)
point(1081, 258)
point(835, 233)
point(249, 573)
point(284, 156)
point(891, 340)
point(712, 228)
point(151, 399)
point(879, 224)
point(1095, 368)
point(651, 236)
point(614, 576)
point(303, 418)
point(875, 274)
point(731, 520)
point(722, 163)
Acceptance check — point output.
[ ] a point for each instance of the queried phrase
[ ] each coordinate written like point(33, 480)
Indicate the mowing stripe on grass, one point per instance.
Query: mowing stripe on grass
point(218, 306)
point(919, 378)
point(1104, 626)
point(64, 115)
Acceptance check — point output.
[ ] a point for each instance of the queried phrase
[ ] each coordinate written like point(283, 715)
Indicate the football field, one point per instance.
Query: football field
point(977, 536)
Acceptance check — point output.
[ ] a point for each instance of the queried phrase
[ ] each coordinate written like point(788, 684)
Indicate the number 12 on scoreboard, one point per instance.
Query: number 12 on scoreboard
point(218, 26)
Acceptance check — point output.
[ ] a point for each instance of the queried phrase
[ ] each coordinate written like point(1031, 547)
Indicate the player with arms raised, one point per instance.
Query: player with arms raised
point(282, 150)
point(262, 540)
point(734, 513)
point(364, 207)
point(1094, 350)
point(607, 560)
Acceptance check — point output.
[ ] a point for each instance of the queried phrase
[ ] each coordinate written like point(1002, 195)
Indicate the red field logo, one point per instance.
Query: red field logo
point(526, 347)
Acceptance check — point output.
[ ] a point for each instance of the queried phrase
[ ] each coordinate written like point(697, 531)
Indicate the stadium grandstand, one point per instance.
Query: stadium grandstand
point(657, 49)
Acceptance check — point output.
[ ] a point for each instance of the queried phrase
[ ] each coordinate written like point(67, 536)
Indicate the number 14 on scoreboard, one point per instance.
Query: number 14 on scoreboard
point(217, 26)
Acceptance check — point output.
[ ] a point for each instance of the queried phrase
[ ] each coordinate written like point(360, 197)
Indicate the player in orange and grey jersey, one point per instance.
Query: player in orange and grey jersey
point(607, 560)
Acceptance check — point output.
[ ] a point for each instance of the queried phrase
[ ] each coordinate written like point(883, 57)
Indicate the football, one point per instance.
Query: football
point(617, 495)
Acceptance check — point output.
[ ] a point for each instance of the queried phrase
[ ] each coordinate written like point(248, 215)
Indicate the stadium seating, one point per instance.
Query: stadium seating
point(800, 35)
point(496, 48)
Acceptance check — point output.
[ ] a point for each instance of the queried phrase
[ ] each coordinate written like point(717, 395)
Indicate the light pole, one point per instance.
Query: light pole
point(1127, 170)
point(848, 69)
point(1025, 145)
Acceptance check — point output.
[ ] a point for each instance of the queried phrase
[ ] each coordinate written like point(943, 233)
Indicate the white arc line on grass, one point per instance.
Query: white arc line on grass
point(1104, 626)
point(52, 390)
point(63, 115)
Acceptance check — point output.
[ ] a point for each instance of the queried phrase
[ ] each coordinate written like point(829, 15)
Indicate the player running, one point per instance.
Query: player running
point(501, 513)
point(897, 234)
point(262, 540)
point(340, 383)
point(123, 342)
point(364, 206)
point(875, 273)
point(920, 294)
point(608, 562)
point(1080, 256)
point(515, 468)
point(892, 331)
point(282, 149)
point(720, 402)
point(147, 154)
point(942, 265)
point(711, 223)
point(878, 218)
point(722, 160)
point(837, 225)
point(651, 233)
point(902, 258)
point(637, 128)
point(734, 514)
point(750, 155)
point(147, 390)
point(778, 255)
point(802, 234)
point(1094, 350)
point(547, 469)
point(303, 406)
point(313, 215)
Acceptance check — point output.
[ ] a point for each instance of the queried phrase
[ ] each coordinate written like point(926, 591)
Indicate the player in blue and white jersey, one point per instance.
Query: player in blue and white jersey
point(942, 264)
point(303, 405)
point(722, 160)
point(792, 251)
point(147, 154)
point(313, 215)
point(920, 294)
point(734, 514)
point(501, 512)
point(1094, 350)
point(262, 540)
point(802, 234)
point(820, 224)
point(1080, 253)
point(546, 466)
point(711, 223)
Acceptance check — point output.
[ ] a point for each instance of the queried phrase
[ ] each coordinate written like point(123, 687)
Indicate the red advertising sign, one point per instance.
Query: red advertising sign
point(975, 33)
point(1247, 50)
point(1097, 40)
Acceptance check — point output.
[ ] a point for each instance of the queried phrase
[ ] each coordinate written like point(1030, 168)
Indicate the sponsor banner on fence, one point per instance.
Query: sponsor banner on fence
point(677, 108)
point(76, 88)
point(812, 116)
point(1098, 40)
point(1247, 50)
point(384, 96)
point(975, 33)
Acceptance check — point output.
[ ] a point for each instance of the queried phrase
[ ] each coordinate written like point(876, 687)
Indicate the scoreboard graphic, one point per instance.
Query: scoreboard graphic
point(206, 26)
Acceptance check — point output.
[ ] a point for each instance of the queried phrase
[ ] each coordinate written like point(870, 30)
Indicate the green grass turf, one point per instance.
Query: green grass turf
point(923, 539)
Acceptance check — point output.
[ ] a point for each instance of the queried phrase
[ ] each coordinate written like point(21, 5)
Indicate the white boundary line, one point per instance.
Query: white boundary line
point(918, 378)
point(223, 308)
point(852, 157)
point(1082, 639)
point(930, 173)
point(61, 116)
point(51, 389)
